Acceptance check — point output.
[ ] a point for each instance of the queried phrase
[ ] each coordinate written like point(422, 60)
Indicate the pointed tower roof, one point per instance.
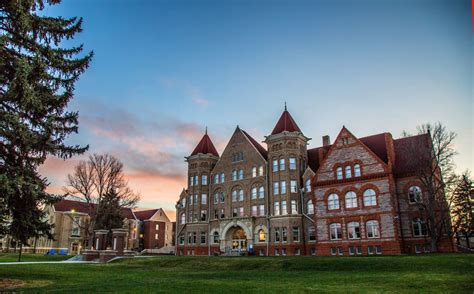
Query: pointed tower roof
point(205, 146)
point(285, 123)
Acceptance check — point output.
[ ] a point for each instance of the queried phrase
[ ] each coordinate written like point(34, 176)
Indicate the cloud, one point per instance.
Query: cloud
point(186, 88)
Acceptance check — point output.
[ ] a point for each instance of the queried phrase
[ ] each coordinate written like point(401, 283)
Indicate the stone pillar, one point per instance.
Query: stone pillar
point(118, 240)
point(100, 242)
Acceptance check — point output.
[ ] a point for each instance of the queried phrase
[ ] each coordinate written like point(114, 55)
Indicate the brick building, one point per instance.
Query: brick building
point(156, 231)
point(355, 196)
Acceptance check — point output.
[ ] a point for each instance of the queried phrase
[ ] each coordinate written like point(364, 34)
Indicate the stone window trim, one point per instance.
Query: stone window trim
point(359, 198)
point(343, 165)
point(406, 191)
point(326, 200)
point(377, 195)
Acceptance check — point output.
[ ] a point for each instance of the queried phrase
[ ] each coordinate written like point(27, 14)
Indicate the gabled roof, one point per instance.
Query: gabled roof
point(408, 152)
point(313, 157)
point(377, 144)
point(205, 146)
point(145, 214)
point(66, 205)
point(257, 146)
point(285, 123)
point(70, 205)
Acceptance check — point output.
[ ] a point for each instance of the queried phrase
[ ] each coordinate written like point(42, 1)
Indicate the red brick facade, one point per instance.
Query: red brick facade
point(346, 198)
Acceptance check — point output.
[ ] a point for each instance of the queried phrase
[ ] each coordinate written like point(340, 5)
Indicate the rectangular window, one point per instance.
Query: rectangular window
point(293, 186)
point(378, 249)
point(190, 199)
point(313, 251)
point(234, 175)
point(340, 251)
point(156, 236)
point(260, 170)
point(276, 189)
point(254, 210)
point(196, 180)
point(262, 209)
point(222, 177)
point(283, 251)
point(282, 164)
point(235, 212)
point(191, 181)
point(216, 179)
point(203, 237)
point(333, 251)
point(277, 234)
point(275, 165)
point(254, 193)
point(296, 234)
point(216, 213)
point(418, 248)
point(284, 234)
point(203, 199)
point(294, 208)
point(76, 230)
point(297, 252)
point(194, 237)
point(292, 163)
point(181, 239)
point(276, 208)
point(284, 211)
point(195, 198)
point(370, 250)
point(157, 227)
point(222, 213)
point(203, 215)
point(359, 250)
point(351, 250)
point(282, 187)
point(335, 231)
point(216, 198)
point(312, 233)
point(204, 180)
point(254, 172)
point(241, 211)
point(190, 238)
point(277, 252)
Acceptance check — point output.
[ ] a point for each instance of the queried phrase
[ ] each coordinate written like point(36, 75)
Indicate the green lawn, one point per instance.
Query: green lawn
point(424, 273)
point(8, 257)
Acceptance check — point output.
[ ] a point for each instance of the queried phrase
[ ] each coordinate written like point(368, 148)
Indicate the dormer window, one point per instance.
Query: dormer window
point(345, 141)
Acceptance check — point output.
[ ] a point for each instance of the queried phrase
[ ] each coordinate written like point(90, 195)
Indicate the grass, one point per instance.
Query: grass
point(441, 273)
point(13, 257)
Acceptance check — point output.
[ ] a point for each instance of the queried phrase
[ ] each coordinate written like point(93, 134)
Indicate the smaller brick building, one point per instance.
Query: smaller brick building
point(156, 231)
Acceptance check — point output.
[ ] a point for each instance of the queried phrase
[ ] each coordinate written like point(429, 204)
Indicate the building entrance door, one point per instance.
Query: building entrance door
point(239, 240)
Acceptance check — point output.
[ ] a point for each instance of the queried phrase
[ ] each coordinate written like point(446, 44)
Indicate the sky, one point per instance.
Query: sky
point(164, 70)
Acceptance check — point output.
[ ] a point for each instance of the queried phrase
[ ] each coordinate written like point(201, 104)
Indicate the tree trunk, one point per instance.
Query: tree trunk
point(19, 253)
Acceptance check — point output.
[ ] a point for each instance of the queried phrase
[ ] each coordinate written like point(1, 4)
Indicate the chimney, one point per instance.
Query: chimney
point(326, 140)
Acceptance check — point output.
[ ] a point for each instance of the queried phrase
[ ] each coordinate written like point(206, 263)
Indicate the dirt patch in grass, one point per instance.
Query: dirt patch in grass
point(6, 284)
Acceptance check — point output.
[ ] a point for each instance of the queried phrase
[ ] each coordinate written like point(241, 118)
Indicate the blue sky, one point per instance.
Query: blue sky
point(163, 70)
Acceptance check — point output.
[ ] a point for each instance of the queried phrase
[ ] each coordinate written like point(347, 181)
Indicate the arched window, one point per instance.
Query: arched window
point(234, 175)
point(216, 198)
point(351, 199)
point(357, 170)
point(370, 198)
point(339, 173)
point(261, 235)
point(419, 227)
point(335, 230)
point(241, 195)
point(414, 194)
point(241, 174)
point(310, 207)
point(216, 179)
point(261, 192)
point(353, 230)
point(183, 218)
point(234, 196)
point(308, 185)
point(348, 172)
point(260, 170)
point(333, 201)
point(215, 238)
point(222, 196)
point(372, 228)
point(222, 178)
point(254, 193)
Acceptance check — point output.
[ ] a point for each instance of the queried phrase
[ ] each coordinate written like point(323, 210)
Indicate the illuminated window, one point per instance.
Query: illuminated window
point(261, 236)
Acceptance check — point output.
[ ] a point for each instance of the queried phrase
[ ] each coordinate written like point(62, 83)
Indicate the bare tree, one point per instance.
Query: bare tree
point(434, 168)
point(92, 181)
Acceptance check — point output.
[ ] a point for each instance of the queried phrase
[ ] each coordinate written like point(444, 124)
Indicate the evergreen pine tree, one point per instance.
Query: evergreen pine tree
point(37, 77)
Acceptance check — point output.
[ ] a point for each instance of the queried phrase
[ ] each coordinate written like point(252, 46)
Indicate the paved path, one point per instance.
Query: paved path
point(44, 262)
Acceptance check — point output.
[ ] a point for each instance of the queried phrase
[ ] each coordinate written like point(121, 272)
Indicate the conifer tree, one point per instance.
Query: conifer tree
point(37, 77)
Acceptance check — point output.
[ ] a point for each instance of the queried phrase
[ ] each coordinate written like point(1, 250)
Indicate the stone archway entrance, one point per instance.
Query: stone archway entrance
point(239, 239)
